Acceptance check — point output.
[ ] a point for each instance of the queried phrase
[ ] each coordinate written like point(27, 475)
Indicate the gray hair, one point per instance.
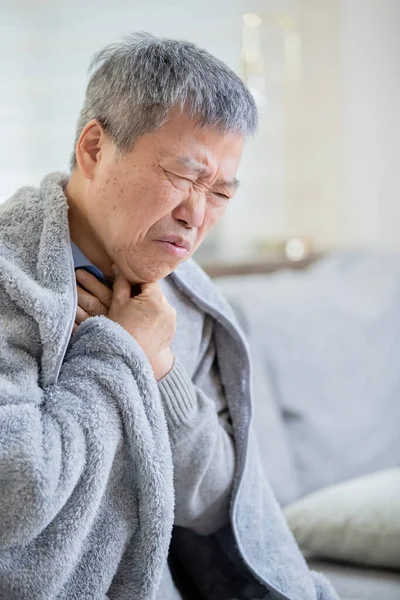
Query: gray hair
point(135, 83)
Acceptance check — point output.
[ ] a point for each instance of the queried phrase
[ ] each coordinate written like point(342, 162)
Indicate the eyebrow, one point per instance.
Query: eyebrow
point(199, 168)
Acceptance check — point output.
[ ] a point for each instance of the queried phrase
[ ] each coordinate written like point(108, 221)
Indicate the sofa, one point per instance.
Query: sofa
point(325, 347)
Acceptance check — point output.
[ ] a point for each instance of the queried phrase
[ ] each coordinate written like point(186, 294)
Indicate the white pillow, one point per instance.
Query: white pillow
point(357, 521)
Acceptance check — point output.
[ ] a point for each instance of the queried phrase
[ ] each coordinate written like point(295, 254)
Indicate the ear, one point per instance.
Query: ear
point(90, 148)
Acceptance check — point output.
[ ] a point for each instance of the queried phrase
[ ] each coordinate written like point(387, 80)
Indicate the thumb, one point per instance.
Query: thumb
point(121, 286)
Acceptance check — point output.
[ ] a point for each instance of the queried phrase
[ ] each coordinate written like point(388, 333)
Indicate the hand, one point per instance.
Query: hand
point(147, 317)
point(162, 363)
point(94, 300)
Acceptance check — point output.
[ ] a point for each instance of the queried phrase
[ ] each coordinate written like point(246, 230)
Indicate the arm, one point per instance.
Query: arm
point(202, 448)
point(52, 440)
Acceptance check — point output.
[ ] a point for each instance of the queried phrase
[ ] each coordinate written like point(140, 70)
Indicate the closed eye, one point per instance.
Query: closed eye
point(223, 196)
point(178, 181)
point(219, 200)
point(178, 176)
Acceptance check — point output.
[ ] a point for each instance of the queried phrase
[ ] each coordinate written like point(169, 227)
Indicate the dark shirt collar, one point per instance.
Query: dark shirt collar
point(82, 262)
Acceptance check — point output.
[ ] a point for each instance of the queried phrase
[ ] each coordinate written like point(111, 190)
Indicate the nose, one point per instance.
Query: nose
point(191, 211)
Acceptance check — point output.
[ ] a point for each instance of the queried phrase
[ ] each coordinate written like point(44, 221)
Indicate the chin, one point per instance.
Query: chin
point(154, 272)
point(166, 270)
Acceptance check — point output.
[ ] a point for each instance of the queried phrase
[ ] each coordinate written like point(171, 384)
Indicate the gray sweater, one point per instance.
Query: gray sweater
point(198, 420)
point(86, 480)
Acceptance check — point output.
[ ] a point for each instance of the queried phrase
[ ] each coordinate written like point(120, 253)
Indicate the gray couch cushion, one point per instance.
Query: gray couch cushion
point(356, 583)
point(327, 342)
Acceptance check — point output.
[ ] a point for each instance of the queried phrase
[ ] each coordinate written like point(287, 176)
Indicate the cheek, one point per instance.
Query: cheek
point(111, 191)
point(153, 197)
point(167, 195)
point(131, 207)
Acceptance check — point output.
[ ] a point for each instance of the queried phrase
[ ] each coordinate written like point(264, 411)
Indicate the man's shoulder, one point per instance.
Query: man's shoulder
point(28, 203)
point(18, 206)
point(25, 214)
point(20, 224)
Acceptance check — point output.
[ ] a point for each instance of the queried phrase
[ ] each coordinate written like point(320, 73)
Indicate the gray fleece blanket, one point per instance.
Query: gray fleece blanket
point(86, 487)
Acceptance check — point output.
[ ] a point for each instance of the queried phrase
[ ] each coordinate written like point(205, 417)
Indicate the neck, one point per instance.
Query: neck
point(81, 231)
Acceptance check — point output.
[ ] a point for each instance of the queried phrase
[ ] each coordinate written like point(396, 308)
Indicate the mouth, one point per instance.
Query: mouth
point(175, 245)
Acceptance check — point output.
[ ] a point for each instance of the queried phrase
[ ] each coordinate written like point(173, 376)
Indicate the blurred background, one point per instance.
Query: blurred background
point(324, 169)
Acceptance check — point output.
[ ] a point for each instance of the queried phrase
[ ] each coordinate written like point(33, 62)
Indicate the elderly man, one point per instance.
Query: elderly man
point(118, 426)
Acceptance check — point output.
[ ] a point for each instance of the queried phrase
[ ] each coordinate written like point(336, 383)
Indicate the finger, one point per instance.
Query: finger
point(75, 328)
point(94, 287)
point(121, 288)
point(91, 304)
point(81, 315)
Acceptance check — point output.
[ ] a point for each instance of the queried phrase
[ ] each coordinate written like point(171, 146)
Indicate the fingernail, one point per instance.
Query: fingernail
point(80, 274)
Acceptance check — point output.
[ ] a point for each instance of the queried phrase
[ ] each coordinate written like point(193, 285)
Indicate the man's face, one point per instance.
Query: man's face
point(152, 207)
